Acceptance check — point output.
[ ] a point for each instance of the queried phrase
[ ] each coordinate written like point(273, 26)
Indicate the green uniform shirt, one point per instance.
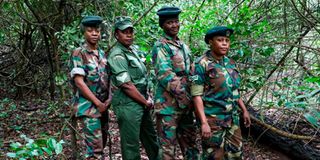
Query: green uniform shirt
point(173, 65)
point(126, 66)
point(93, 67)
point(218, 83)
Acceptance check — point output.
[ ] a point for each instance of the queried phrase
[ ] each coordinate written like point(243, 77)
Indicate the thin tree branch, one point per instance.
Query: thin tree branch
point(194, 20)
point(282, 60)
point(304, 67)
point(234, 8)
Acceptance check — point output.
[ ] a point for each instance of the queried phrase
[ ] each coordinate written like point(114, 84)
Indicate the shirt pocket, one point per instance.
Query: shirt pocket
point(134, 69)
point(215, 78)
point(92, 72)
point(177, 61)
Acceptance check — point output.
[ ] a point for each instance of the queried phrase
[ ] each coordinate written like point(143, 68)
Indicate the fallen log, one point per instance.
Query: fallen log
point(293, 148)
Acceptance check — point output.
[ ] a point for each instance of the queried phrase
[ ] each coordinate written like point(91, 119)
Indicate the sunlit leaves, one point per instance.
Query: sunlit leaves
point(34, 149)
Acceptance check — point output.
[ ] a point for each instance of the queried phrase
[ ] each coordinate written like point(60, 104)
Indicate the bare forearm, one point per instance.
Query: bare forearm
point(198, 103)
point(85, 91)
point(241, 105)
point(130, 90)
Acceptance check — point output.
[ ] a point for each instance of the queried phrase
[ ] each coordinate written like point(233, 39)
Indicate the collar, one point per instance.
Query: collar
point(88, 50)
point(168, 39)
point(222, 61)
point(122, 47)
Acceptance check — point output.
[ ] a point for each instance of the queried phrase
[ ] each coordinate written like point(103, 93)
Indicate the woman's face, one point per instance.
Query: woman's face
point(125, 37)
point(220, 45)
point(92, 35)
point(171, 27)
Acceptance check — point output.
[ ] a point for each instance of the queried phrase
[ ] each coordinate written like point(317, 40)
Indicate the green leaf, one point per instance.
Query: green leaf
point(15, 145)
point(314, 92)
point(52, 143)
point(35, 153)
point(313, 79)
point(311, 119)
point(11, 155)
point(302, 96)
point(47, 150)
point(6, 5)
point(22, 152)
point(148, 58)
point(58, 148)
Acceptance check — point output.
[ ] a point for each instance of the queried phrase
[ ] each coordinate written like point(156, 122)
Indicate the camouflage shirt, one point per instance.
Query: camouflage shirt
point(126, 66)
point(93, 67)
point(218, 83)
point(173, 65)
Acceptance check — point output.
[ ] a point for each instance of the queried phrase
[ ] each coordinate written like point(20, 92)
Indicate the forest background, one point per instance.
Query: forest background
point(276, 44)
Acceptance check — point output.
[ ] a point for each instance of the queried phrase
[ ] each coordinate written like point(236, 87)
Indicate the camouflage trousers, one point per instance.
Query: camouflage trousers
point(135, 125)
point(225, 142)
point(177, 129)
point(95, 134)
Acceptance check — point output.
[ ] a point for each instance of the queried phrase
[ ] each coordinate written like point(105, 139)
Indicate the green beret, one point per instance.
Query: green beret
point(166, 11)
point(123, 22)
point(91, 21)
point(218, 31)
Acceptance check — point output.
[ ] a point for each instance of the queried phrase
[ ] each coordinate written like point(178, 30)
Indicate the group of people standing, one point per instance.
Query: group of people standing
point(207, 87)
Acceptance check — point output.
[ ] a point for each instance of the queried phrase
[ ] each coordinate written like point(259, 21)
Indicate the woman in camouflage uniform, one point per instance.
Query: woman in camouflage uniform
point(217, 100)
point(89, 79)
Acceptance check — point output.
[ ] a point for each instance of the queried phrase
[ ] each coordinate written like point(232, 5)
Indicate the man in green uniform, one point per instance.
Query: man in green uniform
point(173, 105)
point(131, 103)
point(89, 79)
point(217, 100)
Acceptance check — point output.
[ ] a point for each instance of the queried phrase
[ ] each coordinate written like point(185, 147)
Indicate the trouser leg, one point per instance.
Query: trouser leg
point(213, 147)
point(186, 134)
point(129, 120)
point(93, 137)
point(166, 127)
point(148, 136)
point(233, 145)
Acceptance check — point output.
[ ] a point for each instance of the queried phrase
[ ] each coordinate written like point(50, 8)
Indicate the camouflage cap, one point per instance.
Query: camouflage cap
point(123, 22)
point(91, 21)
point(218, 31)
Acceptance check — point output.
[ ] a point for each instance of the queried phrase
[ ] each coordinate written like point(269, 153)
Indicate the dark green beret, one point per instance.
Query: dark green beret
point(166, 11)
point(91, 21)
point(218, 31)
point(122, 22)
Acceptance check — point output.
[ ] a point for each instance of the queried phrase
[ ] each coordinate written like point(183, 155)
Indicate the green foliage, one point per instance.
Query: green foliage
point(35, 149)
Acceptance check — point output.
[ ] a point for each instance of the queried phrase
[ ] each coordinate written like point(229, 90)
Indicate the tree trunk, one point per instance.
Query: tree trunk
point(295, 149)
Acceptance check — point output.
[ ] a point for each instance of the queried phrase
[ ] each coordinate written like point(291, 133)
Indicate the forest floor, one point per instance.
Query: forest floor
point(40, 119)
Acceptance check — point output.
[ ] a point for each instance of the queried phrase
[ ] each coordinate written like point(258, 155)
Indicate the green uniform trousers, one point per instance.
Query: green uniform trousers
point(177, 129)
point(135, 124)
point(95, 133)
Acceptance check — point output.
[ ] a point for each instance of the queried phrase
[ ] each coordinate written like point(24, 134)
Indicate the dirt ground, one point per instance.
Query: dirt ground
point(49, 121)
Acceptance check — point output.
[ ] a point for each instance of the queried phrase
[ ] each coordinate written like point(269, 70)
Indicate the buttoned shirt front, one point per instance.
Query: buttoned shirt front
point(126, 66)
point(92, 65)
point(217, 82)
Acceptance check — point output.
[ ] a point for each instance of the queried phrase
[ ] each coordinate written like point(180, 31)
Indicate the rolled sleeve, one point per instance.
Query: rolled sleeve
point(197, 90)
point(76, 64)
point(77, 71)
point(197, 86)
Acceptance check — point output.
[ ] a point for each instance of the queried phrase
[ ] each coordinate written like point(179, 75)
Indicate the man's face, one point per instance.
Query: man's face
point(125, 37)
point(92, 35)
point(171, 27)
point(220, 45)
